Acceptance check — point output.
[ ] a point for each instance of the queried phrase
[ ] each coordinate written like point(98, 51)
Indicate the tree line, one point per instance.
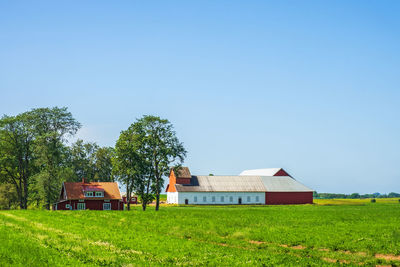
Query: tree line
point(355, 195)
point(35, 157)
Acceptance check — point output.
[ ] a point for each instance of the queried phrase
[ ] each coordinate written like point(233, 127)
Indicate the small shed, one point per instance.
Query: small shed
point(133, 199)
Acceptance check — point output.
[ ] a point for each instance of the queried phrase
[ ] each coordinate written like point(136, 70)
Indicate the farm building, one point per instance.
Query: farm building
point(133, 200)
point(262, 186)
point(89, 195)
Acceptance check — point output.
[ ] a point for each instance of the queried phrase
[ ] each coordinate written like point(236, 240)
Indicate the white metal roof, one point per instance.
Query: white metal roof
point(223, 184)
point(261, 172)
point(242, 184)
point(283, 184)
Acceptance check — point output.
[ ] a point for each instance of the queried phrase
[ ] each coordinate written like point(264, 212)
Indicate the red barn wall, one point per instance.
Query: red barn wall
point(183, 180)
point(276, 198)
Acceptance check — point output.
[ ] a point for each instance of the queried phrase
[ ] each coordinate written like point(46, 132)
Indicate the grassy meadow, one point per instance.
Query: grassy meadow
point(331, 232)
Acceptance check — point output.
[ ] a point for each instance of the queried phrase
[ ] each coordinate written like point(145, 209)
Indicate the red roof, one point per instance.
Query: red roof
point(76, 190)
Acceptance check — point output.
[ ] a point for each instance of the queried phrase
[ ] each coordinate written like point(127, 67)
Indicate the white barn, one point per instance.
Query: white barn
point(251, 187)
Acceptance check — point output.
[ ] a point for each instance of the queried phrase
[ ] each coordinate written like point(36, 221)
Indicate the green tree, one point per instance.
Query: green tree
point(51, 126)
point(8, 196)
point(16, 155)
point(103, 164)
point(82, 158)
point(126, 161)
point(161, 148)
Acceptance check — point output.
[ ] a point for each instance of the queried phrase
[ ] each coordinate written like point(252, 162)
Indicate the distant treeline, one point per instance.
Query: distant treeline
point(354, 195)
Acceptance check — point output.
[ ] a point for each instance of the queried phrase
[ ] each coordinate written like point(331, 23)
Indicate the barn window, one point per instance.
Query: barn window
point(195, 199)
point(81, 206)
point(106, 206)
point(67, 206)
point(204, 199)
point(257, 199)
point(99, 194)
point(88, 194)
point(213, 199)
point(222, 199)
point(231, 199)
point(248, 199)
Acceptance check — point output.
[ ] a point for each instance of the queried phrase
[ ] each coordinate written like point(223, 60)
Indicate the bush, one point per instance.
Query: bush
point(373, 200)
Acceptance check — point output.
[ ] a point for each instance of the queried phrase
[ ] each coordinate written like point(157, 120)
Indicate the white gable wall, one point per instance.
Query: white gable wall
point(220, 198)
point(172, 197)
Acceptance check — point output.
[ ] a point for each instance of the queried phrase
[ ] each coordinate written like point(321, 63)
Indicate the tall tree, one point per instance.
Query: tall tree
point(143, 182)
point(82, 158)
point(103, 164)
point(51, 126)
point(161, 148)
point(16, 155)
point(126, 161)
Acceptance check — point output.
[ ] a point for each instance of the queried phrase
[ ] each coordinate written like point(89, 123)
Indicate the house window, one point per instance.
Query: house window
point(213, 199)
point(88, 194)
point(106, 206)
point(81, 206)
point(195, 199)
point(257, 199)
point(248, 199)
point(231, 199)
point(99, 194)
point(222, 199)
point(204, 199)
point(68, 206)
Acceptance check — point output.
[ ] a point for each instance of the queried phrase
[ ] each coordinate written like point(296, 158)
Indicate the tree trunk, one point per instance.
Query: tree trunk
point(157, 200)
point(20, 194)
point(158, 187)
point(25, 196)
point(128, 197)
point(144, 205)
point(48, 196)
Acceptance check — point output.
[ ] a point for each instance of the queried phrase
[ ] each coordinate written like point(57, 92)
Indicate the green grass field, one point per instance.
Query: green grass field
point(353, 233)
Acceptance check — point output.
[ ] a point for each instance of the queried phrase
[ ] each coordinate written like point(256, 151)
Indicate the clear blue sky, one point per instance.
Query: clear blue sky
point(310, 86)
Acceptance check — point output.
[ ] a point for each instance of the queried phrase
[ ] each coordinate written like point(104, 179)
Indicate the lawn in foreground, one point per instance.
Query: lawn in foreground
point(235, 235)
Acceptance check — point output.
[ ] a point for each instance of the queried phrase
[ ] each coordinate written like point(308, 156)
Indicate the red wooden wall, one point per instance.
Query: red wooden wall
point(276, 198)
point(91, 204)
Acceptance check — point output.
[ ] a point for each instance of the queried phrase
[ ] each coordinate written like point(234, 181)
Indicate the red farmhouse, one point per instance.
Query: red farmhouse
point(89, 195)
